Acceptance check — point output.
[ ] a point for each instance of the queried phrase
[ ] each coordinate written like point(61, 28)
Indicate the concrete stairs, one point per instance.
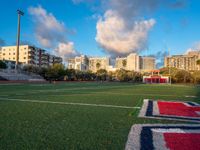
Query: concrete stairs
point(14, 75)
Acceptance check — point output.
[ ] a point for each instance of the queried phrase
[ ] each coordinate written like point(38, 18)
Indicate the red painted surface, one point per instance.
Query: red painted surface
point(182, 141)
point(177, 109)
point(155, 79)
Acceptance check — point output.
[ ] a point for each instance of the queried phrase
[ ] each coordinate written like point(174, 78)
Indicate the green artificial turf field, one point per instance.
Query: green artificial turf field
point(53, 116)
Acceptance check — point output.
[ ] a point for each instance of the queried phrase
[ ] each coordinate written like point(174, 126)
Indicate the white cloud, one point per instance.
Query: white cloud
point(195, 47)
point(122, 29)
point(51, 33)
point(66, 50)
point(48, 29)
point(116, 37)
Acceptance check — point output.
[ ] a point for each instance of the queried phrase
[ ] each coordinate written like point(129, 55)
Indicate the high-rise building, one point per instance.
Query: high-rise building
point(121, 63)
point(83, 63)
point(96, 63)
point(186, 62)
point(147, 64)
point(79, 63)
point(133, 62)
point(29, 55)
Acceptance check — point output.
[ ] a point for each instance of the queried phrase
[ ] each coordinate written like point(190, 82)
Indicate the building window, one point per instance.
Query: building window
point(24, 57)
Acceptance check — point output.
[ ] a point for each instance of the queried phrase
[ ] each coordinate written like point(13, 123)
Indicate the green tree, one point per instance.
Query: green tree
point(183, 76)
point(2, 65)
point(70, 74)
point(101, 74)
point(121, 75)
point(56, 72)
point(196, 76)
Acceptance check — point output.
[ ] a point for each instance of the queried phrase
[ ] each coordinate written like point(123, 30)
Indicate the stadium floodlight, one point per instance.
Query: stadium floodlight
point(170, 63)
point(19, 13)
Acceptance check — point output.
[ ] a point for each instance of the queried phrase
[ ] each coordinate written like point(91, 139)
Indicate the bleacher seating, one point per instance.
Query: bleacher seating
point(14, 75)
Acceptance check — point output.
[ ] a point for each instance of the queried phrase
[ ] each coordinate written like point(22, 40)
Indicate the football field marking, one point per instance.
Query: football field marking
point(68, 103)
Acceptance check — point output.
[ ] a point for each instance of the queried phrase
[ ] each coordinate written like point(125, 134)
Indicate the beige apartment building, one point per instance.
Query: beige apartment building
point(134, 62)
point(29, 55)
point(147, 64)
point(121, 63)
point(96, 63)
point(79, 63)
point(83, 63)
point(186, 62)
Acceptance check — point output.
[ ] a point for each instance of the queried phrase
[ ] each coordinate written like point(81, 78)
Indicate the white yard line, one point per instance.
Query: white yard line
point(68, 103)
point(192, 96)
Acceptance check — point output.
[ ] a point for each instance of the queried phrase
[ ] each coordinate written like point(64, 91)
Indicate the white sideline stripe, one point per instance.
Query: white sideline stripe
point(68, 103)
point(190, 96)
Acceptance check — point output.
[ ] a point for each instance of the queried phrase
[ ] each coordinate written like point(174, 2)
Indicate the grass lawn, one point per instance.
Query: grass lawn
point(28, 125)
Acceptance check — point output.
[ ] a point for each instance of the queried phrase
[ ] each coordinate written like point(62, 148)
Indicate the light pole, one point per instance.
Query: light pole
point(170, 80)
point(19, 13)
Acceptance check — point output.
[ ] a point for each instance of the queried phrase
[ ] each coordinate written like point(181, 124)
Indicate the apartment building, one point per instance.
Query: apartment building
point(121, 63)
point(96, 63)
point(147, 64)
point(29, 55)
point(79, 63)
point(134, 62)
point(186, 62)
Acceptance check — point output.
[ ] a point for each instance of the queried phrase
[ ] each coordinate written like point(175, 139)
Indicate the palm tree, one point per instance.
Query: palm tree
point(198, 63)
point(98, 65)
point(124, 62)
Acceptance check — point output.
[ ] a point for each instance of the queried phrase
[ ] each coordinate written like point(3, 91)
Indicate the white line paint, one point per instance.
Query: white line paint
point(190, 96)
point(68, 103)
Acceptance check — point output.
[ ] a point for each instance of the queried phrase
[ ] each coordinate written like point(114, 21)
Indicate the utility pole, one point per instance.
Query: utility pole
point(19, 13)
point(170, 80)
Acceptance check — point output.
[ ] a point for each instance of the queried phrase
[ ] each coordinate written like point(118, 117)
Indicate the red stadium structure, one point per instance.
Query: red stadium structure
point(155, 77)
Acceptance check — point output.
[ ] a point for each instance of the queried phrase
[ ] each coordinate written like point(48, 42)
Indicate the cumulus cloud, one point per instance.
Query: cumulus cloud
point(50, 32)
point(123, 29)
point(116, 38)
point(66, 50)
point(195, 47)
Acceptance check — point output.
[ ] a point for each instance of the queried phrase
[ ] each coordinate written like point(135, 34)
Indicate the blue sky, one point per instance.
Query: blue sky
point(174, 26)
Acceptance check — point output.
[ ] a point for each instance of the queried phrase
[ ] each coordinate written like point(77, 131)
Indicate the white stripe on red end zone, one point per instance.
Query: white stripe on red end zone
point(68, 103)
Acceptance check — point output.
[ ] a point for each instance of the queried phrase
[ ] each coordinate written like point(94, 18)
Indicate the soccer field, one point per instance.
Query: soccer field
point(78, 115)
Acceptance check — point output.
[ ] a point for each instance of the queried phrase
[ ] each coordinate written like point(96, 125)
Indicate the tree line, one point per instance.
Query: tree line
point(182, 76)
point(59, 73)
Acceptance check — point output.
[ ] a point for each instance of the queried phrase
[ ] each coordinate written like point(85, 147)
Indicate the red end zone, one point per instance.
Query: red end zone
point(182, 141)
point(178, 109)
point(186, 111)
point(165, 137)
